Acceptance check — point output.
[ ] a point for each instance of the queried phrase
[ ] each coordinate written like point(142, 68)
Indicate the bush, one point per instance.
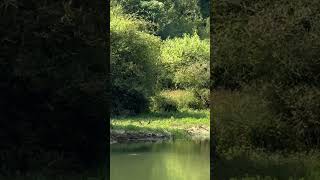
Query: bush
point(203, 95)
point(187, 61)
point(182, 98)
point(161, 103)
point(128, 102)
point(186, 99)
point(280, 120)
point(196, 104)
point(244, 119)
point(298, 108)
point(134, 59)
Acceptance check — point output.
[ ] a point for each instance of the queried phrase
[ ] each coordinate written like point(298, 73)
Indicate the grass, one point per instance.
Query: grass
point(174, 123)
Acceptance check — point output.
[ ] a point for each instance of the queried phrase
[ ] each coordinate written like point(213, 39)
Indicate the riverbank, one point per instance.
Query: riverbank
point(188, 125)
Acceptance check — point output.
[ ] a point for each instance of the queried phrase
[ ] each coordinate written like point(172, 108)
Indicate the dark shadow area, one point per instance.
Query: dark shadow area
point(244, 167)
point(53, 88)
point(265, 88)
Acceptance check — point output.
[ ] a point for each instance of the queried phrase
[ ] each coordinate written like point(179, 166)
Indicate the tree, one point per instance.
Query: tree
point(134, 60)
point(272, 45)
point(169, 18)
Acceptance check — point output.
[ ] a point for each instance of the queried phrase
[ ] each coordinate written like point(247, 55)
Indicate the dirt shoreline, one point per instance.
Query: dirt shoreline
point(123, 136)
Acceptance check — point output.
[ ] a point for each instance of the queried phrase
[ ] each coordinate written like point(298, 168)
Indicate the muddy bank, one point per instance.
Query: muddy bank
point(199, 133)
point(123, 136)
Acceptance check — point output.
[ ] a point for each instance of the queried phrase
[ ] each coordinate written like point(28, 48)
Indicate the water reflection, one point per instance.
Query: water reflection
point(179, 160)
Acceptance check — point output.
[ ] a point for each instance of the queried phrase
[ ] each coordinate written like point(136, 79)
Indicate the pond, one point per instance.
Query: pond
point(179, 160)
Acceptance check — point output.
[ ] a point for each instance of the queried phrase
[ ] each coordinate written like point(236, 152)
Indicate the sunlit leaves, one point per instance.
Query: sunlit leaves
point(188, 59)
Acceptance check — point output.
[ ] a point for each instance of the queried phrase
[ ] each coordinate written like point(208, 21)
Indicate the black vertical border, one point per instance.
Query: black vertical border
point(212, 122)
point(108, 88)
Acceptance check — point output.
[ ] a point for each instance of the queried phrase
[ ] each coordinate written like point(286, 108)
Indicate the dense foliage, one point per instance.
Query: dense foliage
point(272, 47)
point(187, 59)
point(134, 59)
point(150, 53)
point(171, 18)
point(186, 63)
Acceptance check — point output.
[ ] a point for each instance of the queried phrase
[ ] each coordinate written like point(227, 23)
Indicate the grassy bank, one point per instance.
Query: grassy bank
point(178, 125)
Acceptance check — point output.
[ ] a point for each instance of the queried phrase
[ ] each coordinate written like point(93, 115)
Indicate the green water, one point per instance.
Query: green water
point(179, 160)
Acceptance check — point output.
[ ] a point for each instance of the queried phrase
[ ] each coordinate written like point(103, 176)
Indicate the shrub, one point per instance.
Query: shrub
point(298, 108)
point(186, 99)
point(193, 75)
point(196, 104)
point(244, 119)
point(128, 102)
point(160, 103)
point(134, 59)
point(182, 98)
point(187, 60)
point(280, 120)
point(203, 95)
